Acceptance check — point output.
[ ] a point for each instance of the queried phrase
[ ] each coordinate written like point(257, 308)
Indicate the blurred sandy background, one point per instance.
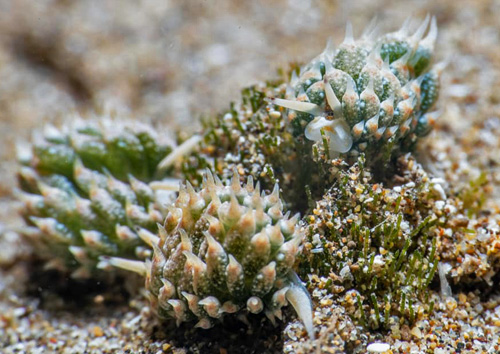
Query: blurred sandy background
point(173, 61)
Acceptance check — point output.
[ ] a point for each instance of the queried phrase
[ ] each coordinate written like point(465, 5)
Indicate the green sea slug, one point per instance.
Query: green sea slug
point(86, 188)
point(223, 249)
point(372, 96)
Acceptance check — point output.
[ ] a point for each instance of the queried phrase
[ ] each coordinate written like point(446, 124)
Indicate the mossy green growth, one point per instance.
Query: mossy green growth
point(377, 243)
point(85, 190)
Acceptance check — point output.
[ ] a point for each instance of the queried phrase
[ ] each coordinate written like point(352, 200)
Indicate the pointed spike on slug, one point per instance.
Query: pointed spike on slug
point(229, 307)
point(186, 245)
point(235, 181)
point(149, 269)
point(190, 190)
point(208, 178)
point(405, 27)
point(328, 65)
point(289, 92)
point(212, 306)
point(49, 226)
point(194, 261)
point(255, 305)
point(305, 107)
point(418, 81)
point(287, 226)
point(193, 302)
point(316, 68)
point(358, 129)
point(405, 127)
point(275, 235)
point(275, 212)
point(288, 252)
point(295, 218)
point(124, 233)
point(257, 190)
point(79, 253)
point(154, 214)
point(379, 133)
point(234, 211)
point(294, 78)
point(214, 205)
point(375, 58)
point(386, 66)
point(274, 197)
point(81, 273)
point(279, 300)
point(168, 289)
point(368, 91)
point(50, 132)
point(158, 255)
point(126, 264)
point(33, 233)
point(261, 218)
point(419, 33)
point(246, 225)
point(430, 39)
point(92, 238)
point(261, 243)
point(235, 276)
point(249, 186)
point(349, 35)
point(439, 67)
point(332, 99)
point(329, 50)
point(372, 124)
point(218, 182)
point(215, 226)
point(214, 247)
point(391, 131)
point(204, 323)
point(351, 87)
point(300, 300)
point(183, 197)
point(269, 271)
point(30, 201)
point(56, 264)
point(173, 218)
point(371, 29)
point(46, 190)
point(24, 152)
point(162, 232)
point(179, 308)
point(148, 237)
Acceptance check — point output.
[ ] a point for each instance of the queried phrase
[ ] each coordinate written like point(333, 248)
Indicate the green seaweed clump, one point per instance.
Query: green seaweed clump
point(376, 245)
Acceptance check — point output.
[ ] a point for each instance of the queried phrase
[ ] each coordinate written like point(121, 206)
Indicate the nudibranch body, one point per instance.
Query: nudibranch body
point(367, 92)
point(86, 186)
point(224, 249)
